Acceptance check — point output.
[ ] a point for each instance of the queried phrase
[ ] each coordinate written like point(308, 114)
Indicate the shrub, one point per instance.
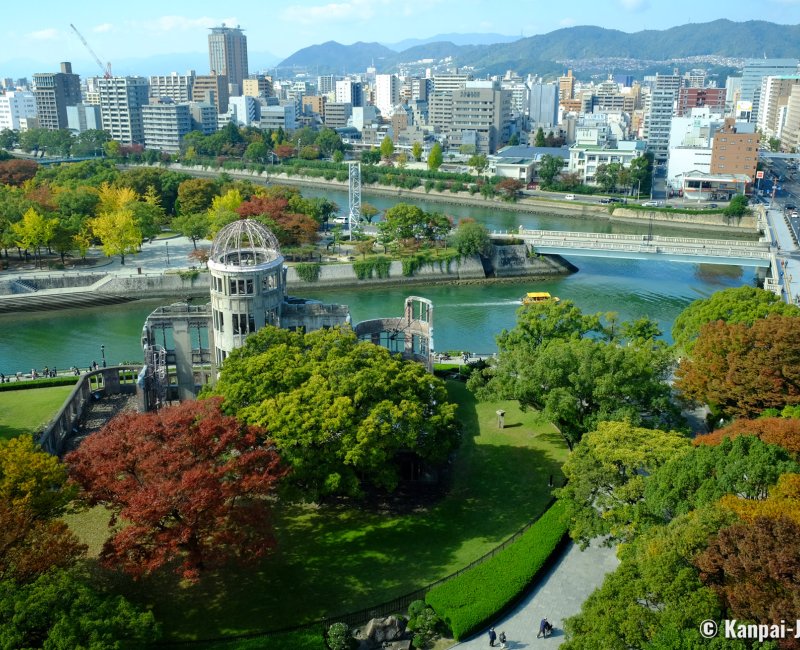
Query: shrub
point(308, 271)
point(339, 637)
point(365, 268)
point(38, 383)
point(424, 623)
point(469, 601)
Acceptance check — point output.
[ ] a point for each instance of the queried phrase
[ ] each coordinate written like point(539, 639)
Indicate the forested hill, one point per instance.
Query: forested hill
point(722, 38)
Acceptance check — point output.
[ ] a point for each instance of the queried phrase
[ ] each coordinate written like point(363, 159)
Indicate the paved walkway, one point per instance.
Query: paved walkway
point(559, 595)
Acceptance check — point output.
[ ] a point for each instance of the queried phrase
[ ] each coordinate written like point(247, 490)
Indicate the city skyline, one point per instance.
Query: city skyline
point(37, 42)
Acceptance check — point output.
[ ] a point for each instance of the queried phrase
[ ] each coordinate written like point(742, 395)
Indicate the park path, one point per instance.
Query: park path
point(558, 595)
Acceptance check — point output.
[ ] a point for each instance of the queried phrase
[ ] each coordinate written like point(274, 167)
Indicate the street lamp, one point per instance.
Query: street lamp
point(167, 244)
point(103, 353)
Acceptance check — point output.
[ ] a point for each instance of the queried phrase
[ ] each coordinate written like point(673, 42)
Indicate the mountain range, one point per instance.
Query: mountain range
point(722, 38)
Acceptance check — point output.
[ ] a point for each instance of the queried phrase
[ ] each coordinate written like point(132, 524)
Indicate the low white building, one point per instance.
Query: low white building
point(585, 159)
point(17, 110)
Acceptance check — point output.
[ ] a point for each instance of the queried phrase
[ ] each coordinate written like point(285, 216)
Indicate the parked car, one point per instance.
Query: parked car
point(712, 205)
point(651, 204)
point(605, 200)
point(614, 199)
point(569, 197)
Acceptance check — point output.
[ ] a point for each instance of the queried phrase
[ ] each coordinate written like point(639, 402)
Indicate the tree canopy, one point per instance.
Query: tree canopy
point(189, 482)
point(471, 238)
point(340, 412)
point(606, 475)
point(548, 362)
point(742, 305)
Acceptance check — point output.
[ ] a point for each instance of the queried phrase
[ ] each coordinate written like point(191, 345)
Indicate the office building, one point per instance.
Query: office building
point(258, 86)
point(658, 114)
point(697, 97)
point(773, 100)
point(734, 150)
point(752, 74)
point(350, 92)
point(121, 102)
point(17, 110)
point(279, 117)
point(204, 117)
point(337, 114)
point(177, 87)
point(326, 83)
point(227, 55)
point(244, 110)
point(450, 82)
point(543, 105)
point(84, 117)
point(55, 91)
point(481, 116)
point(315, 104)
point(566, 87)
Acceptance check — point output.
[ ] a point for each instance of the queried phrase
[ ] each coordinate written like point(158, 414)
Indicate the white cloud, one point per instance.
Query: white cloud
point(183, 23)
point(101, 29)
point(49, 34)
point(634, 5)
point(567, 22)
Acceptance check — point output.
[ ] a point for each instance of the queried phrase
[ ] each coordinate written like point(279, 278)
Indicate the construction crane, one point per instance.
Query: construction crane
point(105, 68)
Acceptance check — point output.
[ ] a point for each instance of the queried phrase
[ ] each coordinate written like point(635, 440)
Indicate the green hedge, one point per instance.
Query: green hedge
point(38, 383)
point(308, 271)
point(471, 600)
point(364, 269)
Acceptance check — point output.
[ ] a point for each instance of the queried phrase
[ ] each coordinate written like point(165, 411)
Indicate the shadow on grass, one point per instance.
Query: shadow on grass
point(332, 559)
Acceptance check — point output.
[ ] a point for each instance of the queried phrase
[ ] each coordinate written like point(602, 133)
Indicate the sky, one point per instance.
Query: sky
point(36, 36)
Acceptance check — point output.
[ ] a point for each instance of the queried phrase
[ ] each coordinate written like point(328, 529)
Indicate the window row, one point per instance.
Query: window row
point(243, 287)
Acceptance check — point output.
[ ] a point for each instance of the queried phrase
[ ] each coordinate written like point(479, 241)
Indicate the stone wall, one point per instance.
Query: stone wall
point(711, 220)
point(513, 261)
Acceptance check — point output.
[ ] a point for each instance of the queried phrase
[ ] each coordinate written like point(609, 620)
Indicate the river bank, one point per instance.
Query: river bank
point(674, 218)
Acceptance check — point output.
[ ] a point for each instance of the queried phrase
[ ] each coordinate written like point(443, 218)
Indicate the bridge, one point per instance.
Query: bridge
point(645, 247)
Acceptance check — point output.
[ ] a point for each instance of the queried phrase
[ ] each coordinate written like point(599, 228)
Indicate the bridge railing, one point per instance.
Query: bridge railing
point(565, 234)
point(656, 247)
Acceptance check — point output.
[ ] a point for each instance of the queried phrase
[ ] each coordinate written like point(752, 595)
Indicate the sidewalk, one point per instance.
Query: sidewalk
point(559, 595)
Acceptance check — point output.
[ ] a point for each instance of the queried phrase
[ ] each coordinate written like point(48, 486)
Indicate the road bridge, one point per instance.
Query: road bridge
point(643, 247)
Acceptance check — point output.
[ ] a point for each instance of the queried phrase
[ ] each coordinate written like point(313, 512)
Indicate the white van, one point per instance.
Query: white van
point(569, 197)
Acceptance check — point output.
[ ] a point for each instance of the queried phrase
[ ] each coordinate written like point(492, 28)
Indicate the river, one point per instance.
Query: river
point(466, 317)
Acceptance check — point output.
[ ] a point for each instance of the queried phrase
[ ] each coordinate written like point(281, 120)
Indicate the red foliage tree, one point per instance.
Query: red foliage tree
point(186, 482)
point(741, 370)
point(270, 206)
point(776, 431)
point(290, 228)
point(284, 151)
point(755, 569)
point(16, 172)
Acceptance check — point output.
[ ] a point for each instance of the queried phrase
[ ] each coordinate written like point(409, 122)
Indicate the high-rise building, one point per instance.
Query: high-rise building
point(54, 92)
point(752, 74)
point(257, 86)
point(349, 92)
point(566, 87)
point(227, 55)
point(450, 82)
point(790, 135)
point(773, 100)
point(387, 92)
point(658, 115)
point(326, 84)
point(165, 123)
point(121, 102)
point(543, 105)
point(17, 110)
point(177, 87)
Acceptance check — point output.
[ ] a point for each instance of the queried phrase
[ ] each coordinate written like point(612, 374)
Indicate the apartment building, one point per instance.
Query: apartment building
point(315, 104)
point(121, 102)
point(566, 87)
point(387, 93)
point(658, 114)
point(790, 135)
point(177, 87)
point(450, 82)
point(84, 117)
point(227, 55)
point(350, 92)
point(773, 101)
point(336, 114)
point(213, 89)
point(165, 123)
point(753, 73)
point(734, 150)
point(55, 91)
point(17, 110)
point(693, 97)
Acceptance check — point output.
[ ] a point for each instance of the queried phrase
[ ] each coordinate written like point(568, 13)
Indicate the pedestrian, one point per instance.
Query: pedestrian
point(502, 639)
point(544, 628)
point(492, 637)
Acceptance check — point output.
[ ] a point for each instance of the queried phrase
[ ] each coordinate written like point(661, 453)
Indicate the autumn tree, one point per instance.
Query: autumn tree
point(342, 413)
point(742, 305)
point(15, 172)
point(783, 501)
point(117, 232)
point(189, 482)
point(387, 148)
point(741, 371)
point(510, 187)
point(34, 231)
point(606, 476)
point(195, 195)
point(755, 568)
point(784, 432)
point(416, 151)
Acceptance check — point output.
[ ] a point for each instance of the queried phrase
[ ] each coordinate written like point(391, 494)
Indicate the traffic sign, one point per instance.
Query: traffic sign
point(759, 174)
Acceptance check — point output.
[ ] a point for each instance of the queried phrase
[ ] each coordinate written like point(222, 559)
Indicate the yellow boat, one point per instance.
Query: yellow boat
point(538, 296)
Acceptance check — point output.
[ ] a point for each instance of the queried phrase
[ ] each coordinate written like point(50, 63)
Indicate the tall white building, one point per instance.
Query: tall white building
point(773, 100)
point(658, 115)
point(177, 87)
point(387, 92)
point(165, 123)
point(121, 102)
point(17, 110)
point(349, 92)
point(752, 74)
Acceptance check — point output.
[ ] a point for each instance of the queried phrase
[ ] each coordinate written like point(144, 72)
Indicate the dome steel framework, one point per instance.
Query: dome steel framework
point(244, 242)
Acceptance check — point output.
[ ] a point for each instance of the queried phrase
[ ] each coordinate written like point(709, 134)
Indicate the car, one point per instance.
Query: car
point(614, 199)
point(712, 206)
point(790, 207)
point(569, 197)
point(605, 200)
point(651, 204)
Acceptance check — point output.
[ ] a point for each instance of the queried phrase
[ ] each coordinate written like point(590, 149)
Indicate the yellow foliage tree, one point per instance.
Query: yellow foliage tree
point(783, 501)
point(118, 232)
point(115, 198)
point(33, 231)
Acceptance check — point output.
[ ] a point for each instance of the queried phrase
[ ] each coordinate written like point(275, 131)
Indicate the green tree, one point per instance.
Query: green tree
point(607, 176)
point(258, 152)
point(513, 141)
point(539, 140)
point(387, 148)
point(195, 226)
point(471, 238)
point(416, 151)
point(641, 172)
point(549, 168)
point(61, 610)
point(404, 221)
point(329, 143)
point(195, 195)
point(742, 305)
point(435, 157)
point(737, 207)
point(774, 144)
point(479, 163)
point(371, 156)
point(606, 474)
point(338, 156)
point(546, 363)
point(467, 149)
point(368, 212)
point(339, 411)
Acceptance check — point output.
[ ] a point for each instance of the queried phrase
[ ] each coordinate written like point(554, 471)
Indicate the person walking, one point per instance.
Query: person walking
point(492, 637)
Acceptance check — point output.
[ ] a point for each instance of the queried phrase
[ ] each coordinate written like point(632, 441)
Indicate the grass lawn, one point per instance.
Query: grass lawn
point(27, 411)
point(338, 559)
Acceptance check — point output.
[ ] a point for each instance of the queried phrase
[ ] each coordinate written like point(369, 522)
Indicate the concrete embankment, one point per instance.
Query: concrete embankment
point(71, 291)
